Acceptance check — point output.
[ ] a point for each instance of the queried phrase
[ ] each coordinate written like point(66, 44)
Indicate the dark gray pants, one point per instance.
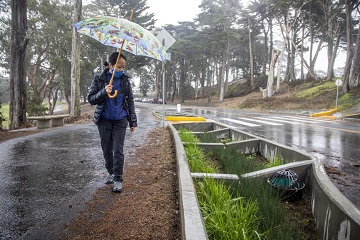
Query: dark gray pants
point(112, 136)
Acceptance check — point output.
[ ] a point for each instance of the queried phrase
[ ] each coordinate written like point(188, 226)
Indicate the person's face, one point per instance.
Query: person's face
point(120, 65)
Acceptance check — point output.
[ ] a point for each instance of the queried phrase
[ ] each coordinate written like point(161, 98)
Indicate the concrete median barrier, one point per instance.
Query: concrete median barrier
point(335, 216)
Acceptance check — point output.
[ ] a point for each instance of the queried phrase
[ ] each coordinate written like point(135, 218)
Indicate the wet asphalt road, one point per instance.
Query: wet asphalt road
point(47, 177)
point(335, 143)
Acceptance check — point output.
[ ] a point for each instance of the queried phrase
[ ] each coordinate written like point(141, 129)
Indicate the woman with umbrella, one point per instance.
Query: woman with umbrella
point(112, 94)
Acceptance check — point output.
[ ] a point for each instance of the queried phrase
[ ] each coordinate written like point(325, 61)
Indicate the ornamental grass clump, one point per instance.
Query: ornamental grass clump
point(207, 138)
point(276, 161)
point(235, 163)
point(225, 216)
point(273, 218)
point(197, 159)
point(211, 138)
point(195, 154)
point(187, 136)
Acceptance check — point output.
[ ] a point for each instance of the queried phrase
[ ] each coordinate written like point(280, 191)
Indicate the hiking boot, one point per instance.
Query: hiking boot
point(109, 179)
point(117, 187)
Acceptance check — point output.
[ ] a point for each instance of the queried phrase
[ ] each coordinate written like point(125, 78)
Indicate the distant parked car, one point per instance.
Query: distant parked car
point(137, 99)
point(145, 100)
point(160, 101)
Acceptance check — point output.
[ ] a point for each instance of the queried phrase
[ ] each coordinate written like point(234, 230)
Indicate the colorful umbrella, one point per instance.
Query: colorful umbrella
point(123, 34)
point(111, 31)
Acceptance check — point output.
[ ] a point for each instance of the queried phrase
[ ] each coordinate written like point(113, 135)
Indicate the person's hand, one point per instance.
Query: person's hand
point(132, 129)
point(108, 89)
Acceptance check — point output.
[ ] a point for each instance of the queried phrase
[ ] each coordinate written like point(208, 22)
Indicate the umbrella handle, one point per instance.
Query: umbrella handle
point(110, 83)
point(113, 96)
point(112, 77)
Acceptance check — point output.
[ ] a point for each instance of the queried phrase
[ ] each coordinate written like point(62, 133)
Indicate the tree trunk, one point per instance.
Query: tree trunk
point(311, 70)
point(332, 51)
point(311, 33)
point(18, 46)
point(222, 76)
point(202, 81)
point(227, 78)
point(75, 64)
point(168, 83)
point(292, 60)
point(302, 76)
point(226, 84)
point(355, 68)
point(274, 55)
point(278, 75)
point(174, 87)
point(349, 52)
point(251, 58)
point(183, 77)
point(265, 53)
point(52, 99)
point(287, 72)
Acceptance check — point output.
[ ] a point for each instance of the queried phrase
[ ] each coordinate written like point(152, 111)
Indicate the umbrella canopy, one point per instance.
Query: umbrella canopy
point(112, 31)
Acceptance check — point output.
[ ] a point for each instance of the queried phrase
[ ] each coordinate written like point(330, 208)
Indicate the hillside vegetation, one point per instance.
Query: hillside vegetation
point(292, 96)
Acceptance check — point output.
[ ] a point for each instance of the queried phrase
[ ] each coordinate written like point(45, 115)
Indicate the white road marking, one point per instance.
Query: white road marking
point(261, 121)
point(240, 122)
point(278, 120)
point(294, 119)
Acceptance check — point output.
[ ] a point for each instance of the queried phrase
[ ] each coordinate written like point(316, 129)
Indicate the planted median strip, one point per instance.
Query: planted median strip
point(245, 209)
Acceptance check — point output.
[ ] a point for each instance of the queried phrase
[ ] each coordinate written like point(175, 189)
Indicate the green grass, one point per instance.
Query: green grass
point(276, 161)
point(235, 163)
point(348, 100)
point(273, 218)
point(317, 89)
point(5, 112)
point(345, 101)
point(197, 159)
point(195, 155)
point(227, 216)
point(186, 136)
point(211, 138)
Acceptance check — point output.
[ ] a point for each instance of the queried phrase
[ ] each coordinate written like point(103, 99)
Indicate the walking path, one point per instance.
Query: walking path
point(48, 176)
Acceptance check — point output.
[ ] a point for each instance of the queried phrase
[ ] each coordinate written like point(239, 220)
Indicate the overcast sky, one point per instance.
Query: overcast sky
point(173, 11)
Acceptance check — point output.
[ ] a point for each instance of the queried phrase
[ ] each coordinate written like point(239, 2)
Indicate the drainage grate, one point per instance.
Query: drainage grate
point(288, 183)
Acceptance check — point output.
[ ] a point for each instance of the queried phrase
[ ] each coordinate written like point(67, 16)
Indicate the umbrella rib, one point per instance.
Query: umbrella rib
point(107, 38)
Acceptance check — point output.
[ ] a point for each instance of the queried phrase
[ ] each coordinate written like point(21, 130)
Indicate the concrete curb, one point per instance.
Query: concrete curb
point(192, 225)
point(324, 113)
point(335, 216)
point(184, 118)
